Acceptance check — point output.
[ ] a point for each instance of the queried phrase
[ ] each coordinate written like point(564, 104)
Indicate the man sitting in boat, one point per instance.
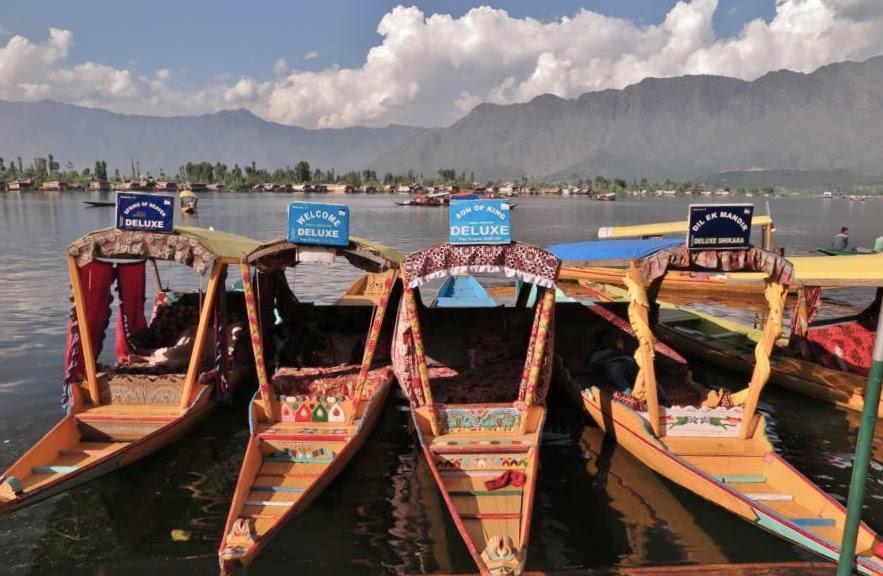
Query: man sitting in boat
point(613, 359)
point(841, 240)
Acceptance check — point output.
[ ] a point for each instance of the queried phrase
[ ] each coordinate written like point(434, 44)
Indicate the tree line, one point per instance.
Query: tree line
point(48, 168)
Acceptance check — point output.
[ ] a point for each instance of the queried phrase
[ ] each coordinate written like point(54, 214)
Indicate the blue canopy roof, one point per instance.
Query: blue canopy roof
point(612, 250)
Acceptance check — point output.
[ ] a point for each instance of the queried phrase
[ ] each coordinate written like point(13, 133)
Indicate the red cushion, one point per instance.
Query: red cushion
point(850, 342)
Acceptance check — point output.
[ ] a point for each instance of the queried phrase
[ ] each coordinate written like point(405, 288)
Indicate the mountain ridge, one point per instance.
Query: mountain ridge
point(684, 127)
point(82, 135)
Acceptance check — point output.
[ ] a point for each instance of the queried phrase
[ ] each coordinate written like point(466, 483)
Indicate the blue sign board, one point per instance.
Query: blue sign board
point(719, 226)
point(321, 224)
point(146, 212)
point(480, 222)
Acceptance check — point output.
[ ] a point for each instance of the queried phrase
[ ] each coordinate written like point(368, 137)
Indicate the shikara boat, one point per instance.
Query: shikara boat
point(462, 291)
point(645, 238)
point(98, 204)
point(317, 408)
point(711, 442)
point(188, 200)
point(477, 379)
point(169, 371)
point(827, 359)
point(367, 290)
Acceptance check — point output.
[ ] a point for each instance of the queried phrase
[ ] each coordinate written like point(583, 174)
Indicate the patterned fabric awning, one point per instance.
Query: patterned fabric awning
point(363, 254)
point(191, 246)
point(751, 259)
point(523, 261)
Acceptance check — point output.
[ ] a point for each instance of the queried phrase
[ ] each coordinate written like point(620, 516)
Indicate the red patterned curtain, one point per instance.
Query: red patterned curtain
point(96, 279)
point(812, 296)
point(131, 285)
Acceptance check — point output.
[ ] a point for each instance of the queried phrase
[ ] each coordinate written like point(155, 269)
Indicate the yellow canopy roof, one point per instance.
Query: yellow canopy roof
point(187, 194)
point(662, 228)
point(224, 245)
point(836, 271)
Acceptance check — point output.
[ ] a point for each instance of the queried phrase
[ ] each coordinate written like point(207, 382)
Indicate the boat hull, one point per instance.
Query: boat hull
point(745, 477)
point(233, 555)
point(61, 450)
point(463, 463)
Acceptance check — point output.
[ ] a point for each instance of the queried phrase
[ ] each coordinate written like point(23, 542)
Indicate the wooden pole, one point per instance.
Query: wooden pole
point(639, 319)
point(767, 236)
point(419, 352)
point(536, 362)
point(374, 333)
point(257, 341)
point(201, 332)
point(85, 338)
point(775, 295)
point(864, 442)
point(156, 276)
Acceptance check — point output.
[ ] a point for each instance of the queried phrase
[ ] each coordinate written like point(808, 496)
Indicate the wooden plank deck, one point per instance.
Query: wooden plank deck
point(755, 569)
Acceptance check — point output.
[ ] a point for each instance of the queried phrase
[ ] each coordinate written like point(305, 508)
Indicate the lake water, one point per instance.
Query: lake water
point(596, 506)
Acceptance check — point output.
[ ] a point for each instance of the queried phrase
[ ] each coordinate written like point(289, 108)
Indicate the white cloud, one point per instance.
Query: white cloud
point(432, 69)
point(280, 68)
point(310, 55)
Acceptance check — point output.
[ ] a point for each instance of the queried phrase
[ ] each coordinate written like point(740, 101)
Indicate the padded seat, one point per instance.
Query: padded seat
point(142, 389)
point(491, 383)
point(327, 380)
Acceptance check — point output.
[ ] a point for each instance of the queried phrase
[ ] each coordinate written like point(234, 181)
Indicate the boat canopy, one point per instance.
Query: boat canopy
point(196, 247)
point(610, 252)
point(188, 194)
point(363, 254)
point(522, 261)
point(858, 270)
point(751, 259)
point(663, 228)
point(779, 273)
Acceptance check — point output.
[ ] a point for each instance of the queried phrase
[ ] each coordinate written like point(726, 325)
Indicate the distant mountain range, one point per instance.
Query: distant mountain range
point(688, 127)
point(826, 122)
point(83, 135)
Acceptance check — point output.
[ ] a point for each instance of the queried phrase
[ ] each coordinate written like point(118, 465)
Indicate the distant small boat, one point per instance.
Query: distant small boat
point(95, 204)
point(848, 252)
point(462, 292)
point(188, 201)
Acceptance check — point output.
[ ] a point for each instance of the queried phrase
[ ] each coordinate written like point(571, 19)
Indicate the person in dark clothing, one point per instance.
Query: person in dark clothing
point(841, 241)
point(618, 365)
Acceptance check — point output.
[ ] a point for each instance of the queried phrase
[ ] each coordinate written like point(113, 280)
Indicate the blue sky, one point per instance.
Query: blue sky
point(202, 40)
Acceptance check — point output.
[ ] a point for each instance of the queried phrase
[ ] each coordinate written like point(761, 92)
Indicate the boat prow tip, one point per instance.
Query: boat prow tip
point(228, 566)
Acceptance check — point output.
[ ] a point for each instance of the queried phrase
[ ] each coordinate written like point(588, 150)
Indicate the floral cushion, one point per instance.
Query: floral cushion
point(488, 384)
point(328, 380)
point(839, 344)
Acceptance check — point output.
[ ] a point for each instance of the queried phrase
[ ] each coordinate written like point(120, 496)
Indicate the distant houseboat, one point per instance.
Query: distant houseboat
point(99, 186)
point(22, 185)
point(195, 187)
point(165, 186)
point(57, 186)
